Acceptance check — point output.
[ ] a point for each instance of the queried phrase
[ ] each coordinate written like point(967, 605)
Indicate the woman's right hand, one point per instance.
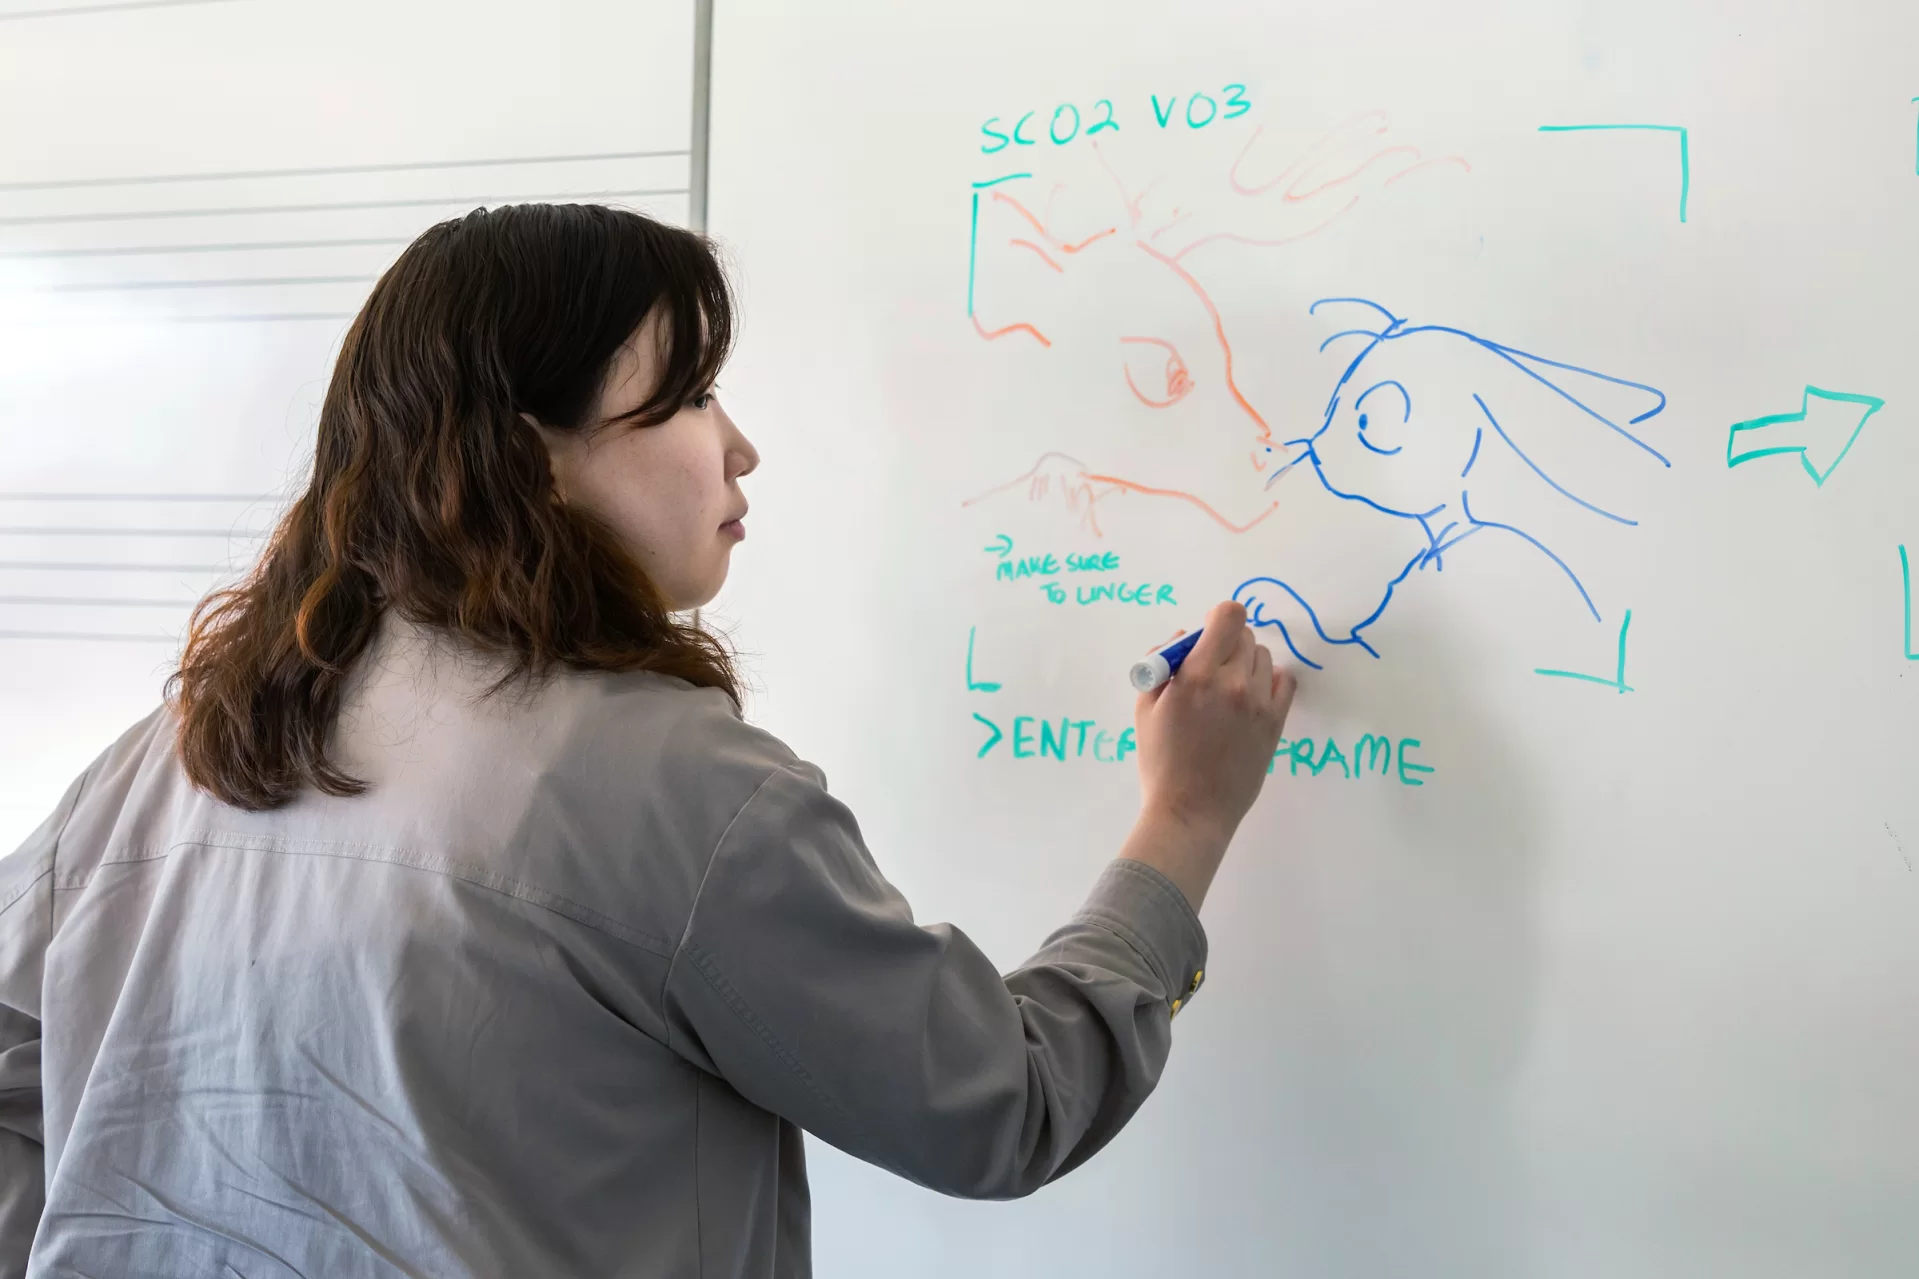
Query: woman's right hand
point(1206, 740)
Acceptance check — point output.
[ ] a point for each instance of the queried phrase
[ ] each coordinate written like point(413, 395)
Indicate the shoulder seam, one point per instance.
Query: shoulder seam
point(713, 854)
point(53, 851)
point(710, 971)
point(14, 899)
point(703, 964)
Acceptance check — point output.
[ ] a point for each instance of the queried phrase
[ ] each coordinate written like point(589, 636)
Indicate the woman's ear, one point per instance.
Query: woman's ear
point(560, 448)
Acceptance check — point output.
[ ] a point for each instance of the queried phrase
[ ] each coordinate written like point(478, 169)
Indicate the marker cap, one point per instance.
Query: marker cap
point(1150, 672)
point(1155, 669)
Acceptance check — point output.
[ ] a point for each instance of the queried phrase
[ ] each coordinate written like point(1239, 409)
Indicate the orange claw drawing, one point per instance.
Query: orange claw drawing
point(1074, 487)
point(1129, 486)
point(1082, 491)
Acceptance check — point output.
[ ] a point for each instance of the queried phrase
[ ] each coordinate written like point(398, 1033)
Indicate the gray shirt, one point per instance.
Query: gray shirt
point(555, 997)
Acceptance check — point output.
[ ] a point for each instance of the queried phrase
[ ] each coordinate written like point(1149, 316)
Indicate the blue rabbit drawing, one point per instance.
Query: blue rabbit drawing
point(1445, 430)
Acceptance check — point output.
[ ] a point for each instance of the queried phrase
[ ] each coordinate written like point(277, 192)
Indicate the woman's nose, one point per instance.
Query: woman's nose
point(741, 457)
point(746, 458)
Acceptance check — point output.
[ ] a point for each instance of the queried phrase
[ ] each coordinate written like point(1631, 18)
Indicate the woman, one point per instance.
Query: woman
point(447, 919)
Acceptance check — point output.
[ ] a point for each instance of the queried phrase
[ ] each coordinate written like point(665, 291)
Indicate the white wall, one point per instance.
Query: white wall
point(159, 380)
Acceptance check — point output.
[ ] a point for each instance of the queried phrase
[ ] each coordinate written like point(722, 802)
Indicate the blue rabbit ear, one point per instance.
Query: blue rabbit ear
point(1618, 404)
point(1567, 424)
point(1494, 428)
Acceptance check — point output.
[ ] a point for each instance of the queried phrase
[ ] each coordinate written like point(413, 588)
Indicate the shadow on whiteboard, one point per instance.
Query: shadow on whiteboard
point(1351, 1082)
point(1373, 992)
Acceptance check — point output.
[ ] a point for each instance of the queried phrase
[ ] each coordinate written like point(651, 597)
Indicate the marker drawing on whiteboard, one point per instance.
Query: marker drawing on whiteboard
point(1821, 446)
point(1905, 580)
point(1156, 668)
point(1685, 148)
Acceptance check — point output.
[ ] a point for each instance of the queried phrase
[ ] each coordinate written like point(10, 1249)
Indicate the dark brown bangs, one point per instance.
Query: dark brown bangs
point(695, 333)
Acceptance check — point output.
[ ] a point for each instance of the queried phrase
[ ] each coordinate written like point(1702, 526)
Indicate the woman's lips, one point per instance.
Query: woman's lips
point(735, 529)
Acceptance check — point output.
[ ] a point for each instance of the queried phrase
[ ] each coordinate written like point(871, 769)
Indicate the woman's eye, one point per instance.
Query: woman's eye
point(701, 401)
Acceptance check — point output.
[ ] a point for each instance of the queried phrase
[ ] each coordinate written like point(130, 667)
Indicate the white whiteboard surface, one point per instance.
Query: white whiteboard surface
point(1629, 983)
point(194, 200)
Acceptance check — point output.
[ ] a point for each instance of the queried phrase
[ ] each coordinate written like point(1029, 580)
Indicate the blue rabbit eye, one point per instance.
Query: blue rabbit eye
point(1362, 421)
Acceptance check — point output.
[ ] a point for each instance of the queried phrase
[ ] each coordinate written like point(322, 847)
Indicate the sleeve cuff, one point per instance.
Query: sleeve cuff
point(1149, 911)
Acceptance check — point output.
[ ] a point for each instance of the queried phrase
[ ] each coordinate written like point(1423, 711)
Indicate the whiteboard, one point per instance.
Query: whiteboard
point(194, 200)
point(1589, 947)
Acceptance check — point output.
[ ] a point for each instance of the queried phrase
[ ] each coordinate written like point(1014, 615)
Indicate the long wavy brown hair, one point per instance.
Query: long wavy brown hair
point(432, 496)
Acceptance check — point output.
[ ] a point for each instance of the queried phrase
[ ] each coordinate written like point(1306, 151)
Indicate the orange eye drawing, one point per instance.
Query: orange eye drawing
point(1173, 374)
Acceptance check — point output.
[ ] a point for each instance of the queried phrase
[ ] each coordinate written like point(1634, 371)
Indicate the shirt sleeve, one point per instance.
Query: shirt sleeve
point(26, 920)
point(804, 981)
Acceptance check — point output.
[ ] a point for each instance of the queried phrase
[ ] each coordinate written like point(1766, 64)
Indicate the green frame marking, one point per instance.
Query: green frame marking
point(1905, 581)
point(974, 685)
point(1618, 681)
point(1685, 148)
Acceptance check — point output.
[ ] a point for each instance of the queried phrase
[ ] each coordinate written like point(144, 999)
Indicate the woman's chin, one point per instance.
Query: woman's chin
point(689, 594)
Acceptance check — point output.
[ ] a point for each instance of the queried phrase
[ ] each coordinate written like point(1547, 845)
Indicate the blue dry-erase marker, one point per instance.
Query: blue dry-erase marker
point(1156, 668)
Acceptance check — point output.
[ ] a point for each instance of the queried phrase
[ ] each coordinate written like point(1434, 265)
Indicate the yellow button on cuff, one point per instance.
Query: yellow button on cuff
point(1197, 974)
point(1176, 1004)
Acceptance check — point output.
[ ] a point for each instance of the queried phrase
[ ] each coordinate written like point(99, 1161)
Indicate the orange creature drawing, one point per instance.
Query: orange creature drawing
point(1317, 188)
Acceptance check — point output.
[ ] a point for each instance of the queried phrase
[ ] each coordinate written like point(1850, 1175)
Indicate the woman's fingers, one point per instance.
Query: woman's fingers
point(1225, 624)
point(1285, 685)
point(1145, 701)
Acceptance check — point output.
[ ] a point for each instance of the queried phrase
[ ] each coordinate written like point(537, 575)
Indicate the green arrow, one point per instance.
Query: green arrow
point(992, 741)
point(1790, 433)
